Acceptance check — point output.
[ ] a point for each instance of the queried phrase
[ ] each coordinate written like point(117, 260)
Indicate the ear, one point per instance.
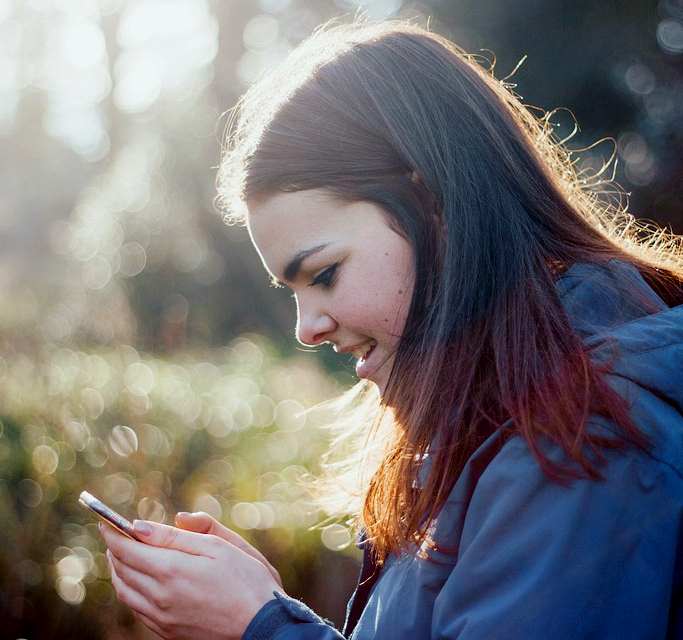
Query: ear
point(416, 179)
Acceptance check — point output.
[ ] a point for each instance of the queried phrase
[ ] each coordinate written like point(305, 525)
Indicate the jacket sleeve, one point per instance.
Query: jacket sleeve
point(285, 618)
point(539, 560)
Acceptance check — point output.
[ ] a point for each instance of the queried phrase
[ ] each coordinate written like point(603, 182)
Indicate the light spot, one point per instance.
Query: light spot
point(45, 459)
point(30, 492)
point(139, 378)
point(151, 509)
point(260, 32)
point(670, 36)
point(245, 515)
point(70, 590)
point(123, 440)
point(289, 415)
point(119, 488)
point(209, 504)
point(336, 537)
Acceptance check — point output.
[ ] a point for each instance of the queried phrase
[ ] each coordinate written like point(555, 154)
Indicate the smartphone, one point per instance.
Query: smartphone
point(110, 516)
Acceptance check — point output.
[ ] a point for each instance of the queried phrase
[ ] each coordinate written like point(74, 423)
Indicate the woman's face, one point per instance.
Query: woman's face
point(352, 276)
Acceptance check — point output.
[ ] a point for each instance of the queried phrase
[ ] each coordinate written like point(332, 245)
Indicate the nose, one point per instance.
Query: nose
point(313, 326)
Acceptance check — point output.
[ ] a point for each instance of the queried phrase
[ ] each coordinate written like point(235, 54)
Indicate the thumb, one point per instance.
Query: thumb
point(199, 522)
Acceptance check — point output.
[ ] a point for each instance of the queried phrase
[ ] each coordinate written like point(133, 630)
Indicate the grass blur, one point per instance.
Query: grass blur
point(219, 431)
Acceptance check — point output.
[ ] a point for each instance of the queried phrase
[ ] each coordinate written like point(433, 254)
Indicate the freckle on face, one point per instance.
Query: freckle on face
point(400, 292)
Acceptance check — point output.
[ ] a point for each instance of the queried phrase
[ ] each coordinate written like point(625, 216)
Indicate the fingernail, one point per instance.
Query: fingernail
point(142, 527)
point(183, 514)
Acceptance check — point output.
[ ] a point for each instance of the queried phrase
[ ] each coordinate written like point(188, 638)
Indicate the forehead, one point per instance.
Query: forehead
point(300, 214)
point(286, 223)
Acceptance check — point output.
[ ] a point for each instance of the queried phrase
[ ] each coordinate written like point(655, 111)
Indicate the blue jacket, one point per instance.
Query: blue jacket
point(536, 560)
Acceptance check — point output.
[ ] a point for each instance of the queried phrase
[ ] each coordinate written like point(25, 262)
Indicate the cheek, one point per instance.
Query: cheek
point(399, 311)
point(389, 310)
point(399, 293)
point(379, 304)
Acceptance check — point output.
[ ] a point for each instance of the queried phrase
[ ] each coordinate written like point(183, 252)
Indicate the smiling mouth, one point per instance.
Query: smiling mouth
point(362, 352)
point(366, 365)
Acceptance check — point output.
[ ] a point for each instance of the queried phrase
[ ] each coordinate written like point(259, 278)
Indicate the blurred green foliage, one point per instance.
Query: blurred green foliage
point(220, 431)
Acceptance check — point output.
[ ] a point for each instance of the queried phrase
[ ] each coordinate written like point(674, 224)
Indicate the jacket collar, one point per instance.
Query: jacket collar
point(597, 298)
point(607, 303)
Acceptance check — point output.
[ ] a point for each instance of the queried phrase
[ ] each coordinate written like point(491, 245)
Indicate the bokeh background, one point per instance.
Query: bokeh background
point(142, 354)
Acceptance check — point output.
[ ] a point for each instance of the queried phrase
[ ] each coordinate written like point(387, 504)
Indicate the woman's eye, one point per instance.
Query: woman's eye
point(326, 278)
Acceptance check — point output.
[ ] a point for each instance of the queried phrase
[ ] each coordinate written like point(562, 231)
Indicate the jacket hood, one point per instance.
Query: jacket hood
point(622, 320)
point(619, 316)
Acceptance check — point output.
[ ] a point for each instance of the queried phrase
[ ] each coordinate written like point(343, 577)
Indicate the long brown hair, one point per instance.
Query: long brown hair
point(495, 210)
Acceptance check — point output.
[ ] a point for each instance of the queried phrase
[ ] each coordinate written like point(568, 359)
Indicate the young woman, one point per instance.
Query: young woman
point(525, 338)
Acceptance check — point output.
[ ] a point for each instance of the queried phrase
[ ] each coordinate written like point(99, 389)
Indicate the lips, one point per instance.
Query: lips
point(363, 350)
point(366, 365)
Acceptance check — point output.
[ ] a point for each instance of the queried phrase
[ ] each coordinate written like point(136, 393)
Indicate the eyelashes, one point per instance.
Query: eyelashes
point(327, 277)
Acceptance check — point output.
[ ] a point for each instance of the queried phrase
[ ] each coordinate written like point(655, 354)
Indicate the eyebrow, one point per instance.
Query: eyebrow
point(294, 265)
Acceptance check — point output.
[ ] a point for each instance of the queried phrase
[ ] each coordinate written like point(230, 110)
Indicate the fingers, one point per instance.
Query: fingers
point(145, 585)
point(202, 522)
point(140, 605)
point(163, 535)
point(151, 560)
point(150, 624)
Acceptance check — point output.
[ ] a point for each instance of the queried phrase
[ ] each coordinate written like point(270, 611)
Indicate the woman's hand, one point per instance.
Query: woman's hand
point(202, 522)
point(183, 584)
